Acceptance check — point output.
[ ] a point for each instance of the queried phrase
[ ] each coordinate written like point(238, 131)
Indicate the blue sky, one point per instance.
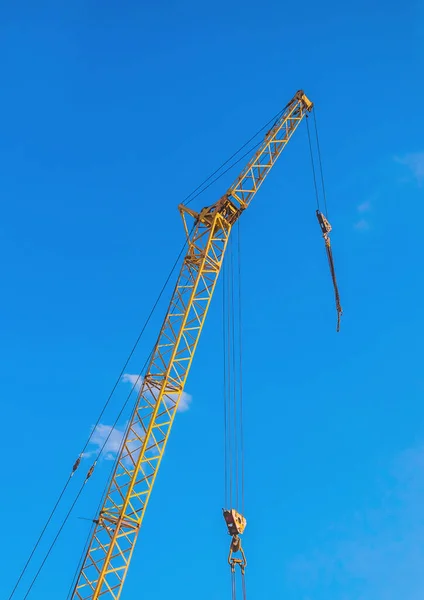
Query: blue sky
point(112, 113)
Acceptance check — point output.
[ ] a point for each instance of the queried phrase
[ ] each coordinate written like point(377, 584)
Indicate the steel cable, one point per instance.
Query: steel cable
point(89, 438)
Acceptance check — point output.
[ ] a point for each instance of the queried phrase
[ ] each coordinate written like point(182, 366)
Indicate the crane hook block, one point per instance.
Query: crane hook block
point(236, 523)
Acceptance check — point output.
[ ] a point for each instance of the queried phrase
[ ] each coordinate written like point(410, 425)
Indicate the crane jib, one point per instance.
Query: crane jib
point(117, 525)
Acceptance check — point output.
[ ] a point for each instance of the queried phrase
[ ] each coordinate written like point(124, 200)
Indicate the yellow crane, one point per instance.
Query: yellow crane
point(109, 552)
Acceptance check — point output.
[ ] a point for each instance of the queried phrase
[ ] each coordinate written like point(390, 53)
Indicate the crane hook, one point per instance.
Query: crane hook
point(236, 547)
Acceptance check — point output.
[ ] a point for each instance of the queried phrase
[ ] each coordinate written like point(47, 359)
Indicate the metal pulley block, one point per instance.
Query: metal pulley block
point(236, 523)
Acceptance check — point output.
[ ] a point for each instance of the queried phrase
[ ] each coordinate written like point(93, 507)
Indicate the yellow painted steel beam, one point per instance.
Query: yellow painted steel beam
point(109, 553)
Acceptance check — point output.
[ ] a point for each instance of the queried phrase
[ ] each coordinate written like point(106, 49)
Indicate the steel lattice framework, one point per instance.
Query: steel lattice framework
point(109, 553)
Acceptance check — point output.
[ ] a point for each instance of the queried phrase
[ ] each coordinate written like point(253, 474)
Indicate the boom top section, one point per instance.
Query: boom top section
point(241, 192)
point(253, 175)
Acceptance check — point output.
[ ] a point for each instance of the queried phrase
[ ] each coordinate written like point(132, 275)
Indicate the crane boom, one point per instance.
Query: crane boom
point(117, 525)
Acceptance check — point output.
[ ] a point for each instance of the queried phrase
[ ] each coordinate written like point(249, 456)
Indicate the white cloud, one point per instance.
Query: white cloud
point(364, 207)
point(136, 380)
point(378, 551)
point(111, 437)
point(108, 439)
point(415, 163)
point(362, 225)
point(107, 436)
point(185, 402)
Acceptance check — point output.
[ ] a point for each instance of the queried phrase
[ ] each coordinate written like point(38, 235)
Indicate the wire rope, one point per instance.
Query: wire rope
point(234, 388)
point(320, 164)
point(313, 164)
point(53, 511)
point(229, 373)
point(240, 344)
point(108, 481)
point(188, 199)
point(224, 391)
point(243, 584)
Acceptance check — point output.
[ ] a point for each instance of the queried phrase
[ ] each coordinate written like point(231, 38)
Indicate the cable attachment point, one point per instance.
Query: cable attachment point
point(76, 465)
point(236, 525)
point(90, 471)
point(326, 228)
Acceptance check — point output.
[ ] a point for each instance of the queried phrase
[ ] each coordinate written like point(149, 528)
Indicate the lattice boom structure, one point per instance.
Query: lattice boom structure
point(111, 547)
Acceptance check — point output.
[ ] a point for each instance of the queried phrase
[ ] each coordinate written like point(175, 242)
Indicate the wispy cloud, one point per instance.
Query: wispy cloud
point(364, 207)
point(108, 439)
point(415, 163)
point(107, 436)
point(185, 402)
point(362, 225)
point(134, 380)
point(379, 553)
point(137, 381)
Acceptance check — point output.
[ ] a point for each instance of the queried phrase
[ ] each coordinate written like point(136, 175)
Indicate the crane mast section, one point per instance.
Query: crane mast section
point(107, 559)
point(105, 564)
